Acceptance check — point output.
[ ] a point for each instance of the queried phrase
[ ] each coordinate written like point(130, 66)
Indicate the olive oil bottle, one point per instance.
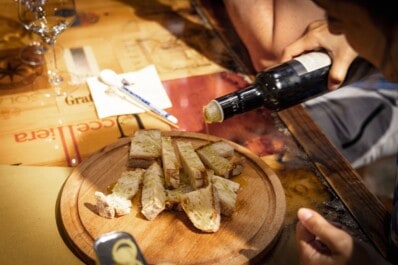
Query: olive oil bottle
point(280, 87)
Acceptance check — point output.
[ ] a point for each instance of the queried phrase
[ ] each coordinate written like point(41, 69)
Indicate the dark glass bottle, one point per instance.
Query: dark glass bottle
point(276, 88)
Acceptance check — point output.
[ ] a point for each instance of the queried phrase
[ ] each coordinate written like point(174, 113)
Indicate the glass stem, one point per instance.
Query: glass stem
point(54, 76)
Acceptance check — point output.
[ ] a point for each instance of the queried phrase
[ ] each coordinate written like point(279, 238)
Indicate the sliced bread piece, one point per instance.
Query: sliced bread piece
point(220, 165)
point(128, 183)
point(192, 165)
point(153, 193)
point(112, 205)
point(218, 157)
point(145, 148)
point(173, 199)
point(171, 164)
point(203, 208)
point(227, 191)
point(222, 148)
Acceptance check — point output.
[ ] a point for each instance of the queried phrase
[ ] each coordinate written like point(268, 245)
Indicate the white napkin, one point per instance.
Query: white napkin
point(145, 82)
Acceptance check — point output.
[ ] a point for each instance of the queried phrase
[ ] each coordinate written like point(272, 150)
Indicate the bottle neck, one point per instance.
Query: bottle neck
point(241, 101)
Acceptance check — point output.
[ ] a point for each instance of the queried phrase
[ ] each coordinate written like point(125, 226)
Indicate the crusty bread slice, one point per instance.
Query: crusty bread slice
point(214, 156)
point(145, 148)
point(128, 183)
point(227, 191)
point(192, 165)
point(171, 164)
point(220, 165)
point(173, 196)
point(226, 150)
point(202, 207)
point(118, 202)
point(153, 192)
point(173, 199)
point(222, 148)
point(112, 205)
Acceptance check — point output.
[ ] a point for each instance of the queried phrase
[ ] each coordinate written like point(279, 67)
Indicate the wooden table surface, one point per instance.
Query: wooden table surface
point(198, 57)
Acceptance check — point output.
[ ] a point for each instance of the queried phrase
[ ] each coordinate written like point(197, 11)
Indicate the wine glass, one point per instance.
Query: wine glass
point(48, 19)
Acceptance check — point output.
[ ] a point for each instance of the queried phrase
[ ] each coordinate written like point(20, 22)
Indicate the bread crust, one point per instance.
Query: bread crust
point(221, 158)
point(202, 207)
point(128, 183)
point(145, 148)
point(170, 162)
point(153, 195)
point(111, 205)
point(220, 165)
point(192, 165)
point(227, 191)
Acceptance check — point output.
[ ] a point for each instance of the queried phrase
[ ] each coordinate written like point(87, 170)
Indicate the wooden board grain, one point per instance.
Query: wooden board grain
point(246, 236)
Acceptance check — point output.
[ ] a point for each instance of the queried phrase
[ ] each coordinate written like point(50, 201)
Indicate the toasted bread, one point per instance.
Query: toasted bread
point(171, 164)
point(153, 192)
point(112, 205)
point(202, 207)
point(175, 176)
point(145, 148)
point(220, 165)
point(118, 202)
point(226, 150)
point(173, 199)
point(212, 156)
point(192, 165)
point(227, 191)
point(128, 183)
point(222, 149)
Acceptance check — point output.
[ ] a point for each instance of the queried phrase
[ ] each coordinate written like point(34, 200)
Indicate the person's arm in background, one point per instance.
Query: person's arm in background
point(318, 37)
point(321, 243)
point(266, 27)
point(276, 31)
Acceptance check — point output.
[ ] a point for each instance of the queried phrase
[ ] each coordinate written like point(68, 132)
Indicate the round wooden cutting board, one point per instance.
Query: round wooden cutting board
point(242, 238)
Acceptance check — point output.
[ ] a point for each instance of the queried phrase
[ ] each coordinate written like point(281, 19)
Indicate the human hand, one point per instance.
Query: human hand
point(321, 243)
point(318, 37)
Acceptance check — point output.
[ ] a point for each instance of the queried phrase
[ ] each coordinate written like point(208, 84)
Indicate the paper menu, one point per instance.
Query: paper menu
point(145, 82)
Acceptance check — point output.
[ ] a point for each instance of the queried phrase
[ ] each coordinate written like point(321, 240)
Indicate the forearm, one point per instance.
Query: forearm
point(253, 21)
point(266, 27)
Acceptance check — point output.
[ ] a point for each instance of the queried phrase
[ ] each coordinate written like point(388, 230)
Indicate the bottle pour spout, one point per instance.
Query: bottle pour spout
point(213, 112)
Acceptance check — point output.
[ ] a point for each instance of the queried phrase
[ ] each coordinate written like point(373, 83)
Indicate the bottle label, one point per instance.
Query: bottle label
point(314, 60)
